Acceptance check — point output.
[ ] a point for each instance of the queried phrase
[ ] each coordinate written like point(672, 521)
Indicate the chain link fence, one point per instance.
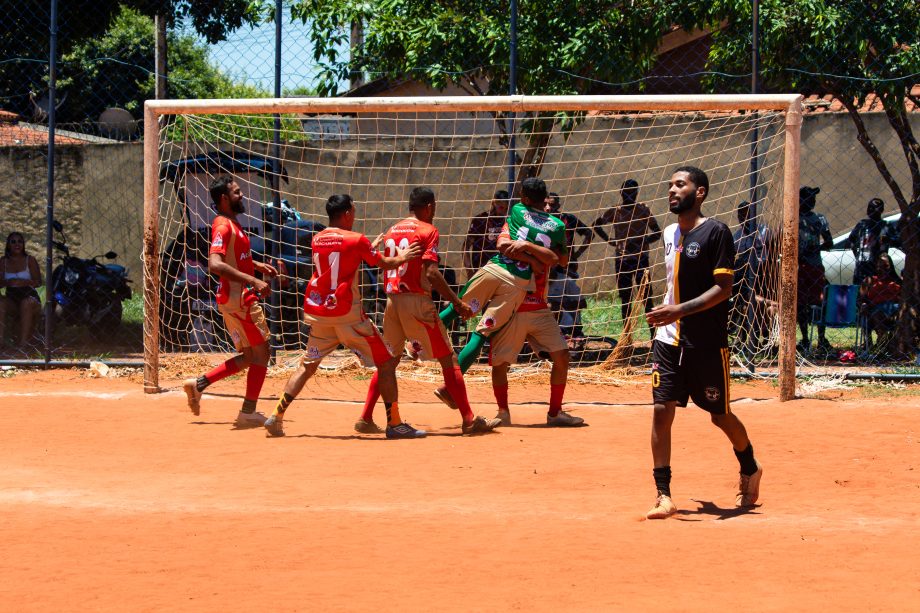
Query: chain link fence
point(861, 191)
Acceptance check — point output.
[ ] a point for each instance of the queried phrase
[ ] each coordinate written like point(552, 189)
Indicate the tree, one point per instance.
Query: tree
point(563, 47)
point(850, 49)
point(116, 69)
point(25, 44)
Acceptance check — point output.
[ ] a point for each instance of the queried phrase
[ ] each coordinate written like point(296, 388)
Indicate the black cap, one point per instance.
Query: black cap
point(809, 192)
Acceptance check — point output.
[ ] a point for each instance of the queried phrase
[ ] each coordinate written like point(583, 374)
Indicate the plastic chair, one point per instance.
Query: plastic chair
point(840, 309)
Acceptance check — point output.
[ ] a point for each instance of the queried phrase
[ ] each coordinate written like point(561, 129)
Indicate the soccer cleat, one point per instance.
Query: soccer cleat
point(749, 488)
point(250, 420)
point(194, 396)
point(274, 426)
point(367, 427)
point(445, 397)
point(404, 430)
point(664, 508)
point(504, 417)
point(563, 420)
point(480, 424)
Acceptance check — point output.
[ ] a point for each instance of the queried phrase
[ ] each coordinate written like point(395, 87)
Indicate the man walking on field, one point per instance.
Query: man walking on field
point(238, 293)
point(690, 350)
point(411, 315)
point(332, 307)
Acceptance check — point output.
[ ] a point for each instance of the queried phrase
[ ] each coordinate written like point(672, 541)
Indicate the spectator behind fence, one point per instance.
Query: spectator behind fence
point(870, 238)
point(20, 275)
point(634, 229)
point(814, 237)
point(482, 238)
point(752, 270)
point(880, 295)
point(563, 292)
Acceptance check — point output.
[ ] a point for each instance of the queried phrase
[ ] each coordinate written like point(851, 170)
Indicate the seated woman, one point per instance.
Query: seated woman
point(879, 299)
point(20, 275)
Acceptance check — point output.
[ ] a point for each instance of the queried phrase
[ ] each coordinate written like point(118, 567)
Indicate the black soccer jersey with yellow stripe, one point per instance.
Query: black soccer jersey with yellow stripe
point(693, 260)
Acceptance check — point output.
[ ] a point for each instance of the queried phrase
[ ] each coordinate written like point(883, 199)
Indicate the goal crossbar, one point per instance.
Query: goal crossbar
point(789, 104)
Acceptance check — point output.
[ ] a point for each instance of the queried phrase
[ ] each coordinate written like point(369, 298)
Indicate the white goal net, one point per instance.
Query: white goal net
point(606, 160)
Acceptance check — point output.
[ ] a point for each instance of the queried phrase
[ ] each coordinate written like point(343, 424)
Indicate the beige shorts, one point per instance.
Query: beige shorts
point(246, 325)
point(539, 328)
point(353, 330)
point(413, 318)
point(500, 292)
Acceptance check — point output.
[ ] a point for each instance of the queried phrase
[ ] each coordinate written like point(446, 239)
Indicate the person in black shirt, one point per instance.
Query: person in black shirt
point(870, 238)
point(690, 351)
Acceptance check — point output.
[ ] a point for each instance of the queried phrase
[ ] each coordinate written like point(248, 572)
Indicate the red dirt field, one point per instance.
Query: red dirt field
point(116, 501)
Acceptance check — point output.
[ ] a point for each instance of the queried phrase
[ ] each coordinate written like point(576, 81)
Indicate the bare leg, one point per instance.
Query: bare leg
point(28, 315)
point(662, 419)
point(387, 381)
point(733, 429)
point(2, 319)
point(300, 378)
point(560, 372)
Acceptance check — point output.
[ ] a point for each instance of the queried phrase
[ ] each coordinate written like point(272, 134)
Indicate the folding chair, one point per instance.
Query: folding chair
point(840, 309)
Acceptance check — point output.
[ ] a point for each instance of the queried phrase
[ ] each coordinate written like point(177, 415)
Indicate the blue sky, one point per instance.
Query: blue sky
point(249, 55)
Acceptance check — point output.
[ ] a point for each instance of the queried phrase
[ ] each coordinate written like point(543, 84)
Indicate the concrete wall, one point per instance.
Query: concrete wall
point(100, 187)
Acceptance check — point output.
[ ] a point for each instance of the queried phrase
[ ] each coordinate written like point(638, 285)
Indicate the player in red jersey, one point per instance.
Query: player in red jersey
point(332, 307)
point(238, 301)
point(536, 323)
point(411, 315)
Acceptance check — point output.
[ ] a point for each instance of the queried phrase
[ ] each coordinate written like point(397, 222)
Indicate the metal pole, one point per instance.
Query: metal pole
point(159, 55)
point(755, 73)
point(275, 299)
point(49, 207)
point(512, 90)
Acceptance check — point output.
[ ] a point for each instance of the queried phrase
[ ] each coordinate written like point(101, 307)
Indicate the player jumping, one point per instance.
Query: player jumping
point(535, 323)
point(531, 239)
point(238, 301)
point(411, 315)
point(332, 307)
point(690, 350)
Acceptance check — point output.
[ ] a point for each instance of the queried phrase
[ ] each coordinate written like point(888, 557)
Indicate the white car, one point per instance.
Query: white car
point(839, 262)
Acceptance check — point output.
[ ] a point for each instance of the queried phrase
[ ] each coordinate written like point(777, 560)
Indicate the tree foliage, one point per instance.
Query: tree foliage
point(116, 69)
point(850, 49)
point(563, 47)
point(25, 42)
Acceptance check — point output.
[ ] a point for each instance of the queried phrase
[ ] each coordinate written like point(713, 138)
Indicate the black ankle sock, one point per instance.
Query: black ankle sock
point(663, 479)
point(202, 383)
point(249, 406)
point(746, 460)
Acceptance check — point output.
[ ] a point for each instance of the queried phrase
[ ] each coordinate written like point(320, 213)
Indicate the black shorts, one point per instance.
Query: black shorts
point(701, 374)
point(18, 294)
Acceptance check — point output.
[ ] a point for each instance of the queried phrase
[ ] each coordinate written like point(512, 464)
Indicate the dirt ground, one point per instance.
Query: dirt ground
point(113, 500)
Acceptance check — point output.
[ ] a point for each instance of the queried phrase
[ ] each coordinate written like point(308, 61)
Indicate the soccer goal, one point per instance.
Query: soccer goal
point(608, 159)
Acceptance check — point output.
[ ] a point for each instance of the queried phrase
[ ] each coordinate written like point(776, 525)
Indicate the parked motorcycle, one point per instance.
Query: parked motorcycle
point(87, 292)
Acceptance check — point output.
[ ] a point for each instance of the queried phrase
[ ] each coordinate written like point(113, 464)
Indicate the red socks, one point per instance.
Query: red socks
point(230, 367)
point(373, 394)
point(556, 391)
point(254, 380)
point(456, 387)
point(501, 396)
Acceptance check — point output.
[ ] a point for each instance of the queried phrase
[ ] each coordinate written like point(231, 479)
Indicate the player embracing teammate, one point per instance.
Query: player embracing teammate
point(332, 307)
point(531, 242)
point(410, 313)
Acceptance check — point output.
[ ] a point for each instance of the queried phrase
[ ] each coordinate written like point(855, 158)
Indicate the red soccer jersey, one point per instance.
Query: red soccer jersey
point(407, 279)
point(229, 240)
point(535, 300)
point(337, 255)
